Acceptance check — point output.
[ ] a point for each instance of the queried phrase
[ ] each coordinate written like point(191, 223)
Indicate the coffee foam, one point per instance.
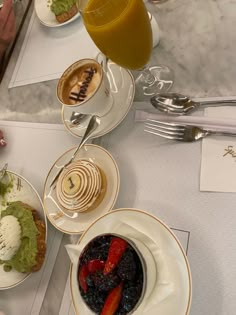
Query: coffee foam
point(81, 84)
point(80, 186)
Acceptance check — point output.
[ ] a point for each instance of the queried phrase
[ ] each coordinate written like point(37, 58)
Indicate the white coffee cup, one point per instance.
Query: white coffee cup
point(84, 87)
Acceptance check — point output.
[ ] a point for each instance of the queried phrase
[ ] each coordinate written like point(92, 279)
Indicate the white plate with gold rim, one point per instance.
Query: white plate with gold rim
point(62, 221)
point(23, 191)
point(122, 90)
point(47, 17)
point(178, 302)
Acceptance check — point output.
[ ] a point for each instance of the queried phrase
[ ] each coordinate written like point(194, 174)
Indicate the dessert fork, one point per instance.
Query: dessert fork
point(179, 132)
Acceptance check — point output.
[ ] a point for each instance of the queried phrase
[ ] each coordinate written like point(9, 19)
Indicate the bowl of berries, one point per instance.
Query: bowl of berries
point(111, 276)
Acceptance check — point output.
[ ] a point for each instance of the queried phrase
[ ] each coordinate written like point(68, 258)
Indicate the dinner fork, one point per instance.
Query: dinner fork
point(179, 132)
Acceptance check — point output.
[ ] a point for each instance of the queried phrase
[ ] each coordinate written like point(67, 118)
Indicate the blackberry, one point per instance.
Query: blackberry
point(127, 266)
point(89, 280)
point(97, 249)
point(101, 282)
point(130, 297)
point(108, 282)
point(94, 299)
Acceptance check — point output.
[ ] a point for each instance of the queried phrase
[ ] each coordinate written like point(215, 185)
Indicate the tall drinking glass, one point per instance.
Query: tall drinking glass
point(122, 31)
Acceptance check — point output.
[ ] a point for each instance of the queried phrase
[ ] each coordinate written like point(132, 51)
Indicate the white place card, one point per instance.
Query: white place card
point(218, 166)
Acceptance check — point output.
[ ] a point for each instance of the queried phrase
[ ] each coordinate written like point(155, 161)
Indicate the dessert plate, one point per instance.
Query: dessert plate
point(46, 16)
point(23, 191)
point(63, 221)
point(122, 90)
point(176, 301)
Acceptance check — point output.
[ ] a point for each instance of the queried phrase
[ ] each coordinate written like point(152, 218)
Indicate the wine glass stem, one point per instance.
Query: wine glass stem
point(148, 77)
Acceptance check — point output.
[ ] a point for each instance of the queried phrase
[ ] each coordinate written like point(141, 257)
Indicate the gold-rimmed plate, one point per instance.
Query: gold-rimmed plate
point(176, 300)
point(22, 190)
point(63, 220)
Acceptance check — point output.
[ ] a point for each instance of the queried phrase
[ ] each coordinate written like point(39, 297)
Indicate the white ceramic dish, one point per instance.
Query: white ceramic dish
point(47, 17)
point(177, 302)
point(122, 90)
point(22, 191)
point(103, 159)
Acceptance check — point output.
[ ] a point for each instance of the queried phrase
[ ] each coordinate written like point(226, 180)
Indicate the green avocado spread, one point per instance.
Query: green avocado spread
point(6, 185)
point(61, 6)
point(25, 258)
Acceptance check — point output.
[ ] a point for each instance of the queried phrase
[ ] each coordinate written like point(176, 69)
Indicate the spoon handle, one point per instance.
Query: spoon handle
point(217, 102)
point(93, 124)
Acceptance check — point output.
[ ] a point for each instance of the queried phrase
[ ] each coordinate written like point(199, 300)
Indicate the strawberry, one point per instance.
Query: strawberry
point(112, 301)
point(83, 273)
point(116, 250)
point(95, 265)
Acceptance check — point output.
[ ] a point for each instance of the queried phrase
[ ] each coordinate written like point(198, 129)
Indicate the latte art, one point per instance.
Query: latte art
point(80, 186)
point(81, 84)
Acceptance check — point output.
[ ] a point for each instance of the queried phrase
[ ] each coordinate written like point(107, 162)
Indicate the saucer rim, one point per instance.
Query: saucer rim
point(155, 218)
point(117, 188)
point(104, 131)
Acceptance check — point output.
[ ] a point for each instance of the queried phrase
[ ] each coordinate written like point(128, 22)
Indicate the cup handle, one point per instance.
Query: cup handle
point(103, 60)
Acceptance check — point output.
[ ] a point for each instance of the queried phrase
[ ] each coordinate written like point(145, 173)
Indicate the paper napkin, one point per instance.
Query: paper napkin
point(218, 165)
point(160, 285)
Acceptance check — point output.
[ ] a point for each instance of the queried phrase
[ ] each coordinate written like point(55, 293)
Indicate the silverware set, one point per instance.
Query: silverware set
point(178, 104)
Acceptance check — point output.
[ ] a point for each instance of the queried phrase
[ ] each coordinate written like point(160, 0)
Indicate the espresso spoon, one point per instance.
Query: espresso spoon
point(92, 126)
point(78, 118)
point(178, 104)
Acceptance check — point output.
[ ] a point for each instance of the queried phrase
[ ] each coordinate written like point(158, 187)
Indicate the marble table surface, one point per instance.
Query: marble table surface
point(198, 42)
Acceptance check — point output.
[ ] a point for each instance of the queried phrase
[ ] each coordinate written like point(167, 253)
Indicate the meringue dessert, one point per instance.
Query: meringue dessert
point(81, 186)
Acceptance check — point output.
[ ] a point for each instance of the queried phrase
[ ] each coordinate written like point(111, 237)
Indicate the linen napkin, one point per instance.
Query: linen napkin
point(160, 285)
point(218, 166)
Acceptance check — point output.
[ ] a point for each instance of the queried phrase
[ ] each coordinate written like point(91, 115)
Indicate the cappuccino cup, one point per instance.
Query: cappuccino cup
point(84, 87)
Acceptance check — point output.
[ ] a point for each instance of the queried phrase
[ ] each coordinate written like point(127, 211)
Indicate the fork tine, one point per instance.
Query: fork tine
point(165, 125)
point(166, 130)
point(167, 136)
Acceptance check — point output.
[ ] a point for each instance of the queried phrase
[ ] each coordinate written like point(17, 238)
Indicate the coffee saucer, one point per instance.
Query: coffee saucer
point(122, 90)
point(76, 223)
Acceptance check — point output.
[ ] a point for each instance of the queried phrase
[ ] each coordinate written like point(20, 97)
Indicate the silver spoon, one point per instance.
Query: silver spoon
point(78, 118)
point(178, 104)
point(93, 124)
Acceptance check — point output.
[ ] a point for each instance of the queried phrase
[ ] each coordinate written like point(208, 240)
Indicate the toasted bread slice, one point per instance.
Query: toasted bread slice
point(41, 237)
point(67, 15)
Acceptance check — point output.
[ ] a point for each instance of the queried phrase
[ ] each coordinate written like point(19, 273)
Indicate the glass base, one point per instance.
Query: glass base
point(157, 1)
point(164, 79)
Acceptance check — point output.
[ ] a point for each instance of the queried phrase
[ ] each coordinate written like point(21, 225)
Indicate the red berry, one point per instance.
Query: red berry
point(95, 265)
point(112, 301)
point(83, 273)
point(116, 250)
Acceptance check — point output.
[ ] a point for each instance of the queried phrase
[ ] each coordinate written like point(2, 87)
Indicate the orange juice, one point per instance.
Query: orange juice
point(122, 30)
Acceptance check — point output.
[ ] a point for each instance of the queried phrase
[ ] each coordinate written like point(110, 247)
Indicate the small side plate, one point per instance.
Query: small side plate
point(46, 16)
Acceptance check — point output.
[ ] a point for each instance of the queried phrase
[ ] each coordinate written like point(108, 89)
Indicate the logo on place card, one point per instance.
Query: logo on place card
point(230, 151)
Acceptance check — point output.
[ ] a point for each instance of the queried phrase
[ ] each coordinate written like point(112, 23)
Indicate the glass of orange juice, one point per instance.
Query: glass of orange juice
point(121, 29)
